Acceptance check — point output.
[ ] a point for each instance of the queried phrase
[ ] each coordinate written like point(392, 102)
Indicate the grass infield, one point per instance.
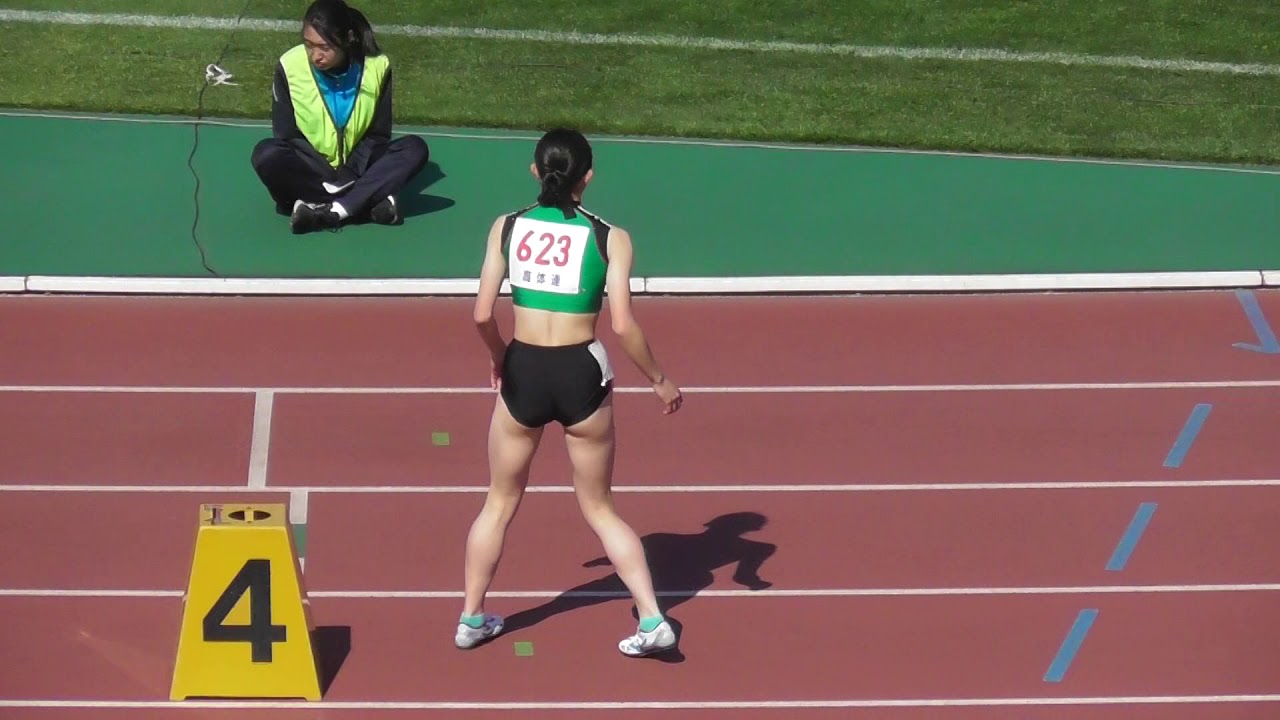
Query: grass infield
point(774, 95)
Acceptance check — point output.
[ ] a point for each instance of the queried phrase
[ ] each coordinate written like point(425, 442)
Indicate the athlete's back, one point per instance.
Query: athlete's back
point(557, 264)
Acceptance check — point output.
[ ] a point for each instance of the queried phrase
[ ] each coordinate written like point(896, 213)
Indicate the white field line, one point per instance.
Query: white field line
point(643, 489)
point(189, 22)
point(53, 283)
point(793, 593)
point(697, 390)
point(373, 705)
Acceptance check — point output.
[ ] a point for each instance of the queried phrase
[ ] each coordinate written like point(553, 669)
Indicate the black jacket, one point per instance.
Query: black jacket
point(371, 146)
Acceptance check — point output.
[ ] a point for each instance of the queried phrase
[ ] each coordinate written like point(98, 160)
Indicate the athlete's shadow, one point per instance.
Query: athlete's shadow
point(682, 566)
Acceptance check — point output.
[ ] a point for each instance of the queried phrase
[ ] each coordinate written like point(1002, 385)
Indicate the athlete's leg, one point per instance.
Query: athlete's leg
point(591, 450)
point(511, 450)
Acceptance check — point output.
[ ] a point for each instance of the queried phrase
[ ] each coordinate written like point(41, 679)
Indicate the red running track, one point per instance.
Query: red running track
point(754, 439)
point(973, 539)
point(759, 650)
point(391, 342)
point(933, 595)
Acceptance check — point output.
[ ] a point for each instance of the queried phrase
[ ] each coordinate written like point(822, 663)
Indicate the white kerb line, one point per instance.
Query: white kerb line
point(264, 401)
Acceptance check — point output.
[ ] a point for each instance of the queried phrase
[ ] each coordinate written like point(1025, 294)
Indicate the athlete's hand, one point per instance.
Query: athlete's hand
point(495, 373)
point(669, 394)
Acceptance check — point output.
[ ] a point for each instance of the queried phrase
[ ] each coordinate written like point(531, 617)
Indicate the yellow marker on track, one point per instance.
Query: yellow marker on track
point(246, 624)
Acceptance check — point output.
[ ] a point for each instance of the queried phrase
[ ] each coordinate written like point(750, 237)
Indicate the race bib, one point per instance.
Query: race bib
point(547, 256)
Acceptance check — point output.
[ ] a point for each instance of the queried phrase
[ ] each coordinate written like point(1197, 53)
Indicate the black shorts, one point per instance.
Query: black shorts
point(564, 384)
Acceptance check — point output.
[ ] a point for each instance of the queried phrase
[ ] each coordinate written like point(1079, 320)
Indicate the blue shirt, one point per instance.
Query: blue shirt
point(339, 91)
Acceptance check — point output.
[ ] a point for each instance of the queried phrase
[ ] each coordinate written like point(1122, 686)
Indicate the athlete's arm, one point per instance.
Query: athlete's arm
point(491, 274)
point(618, 283)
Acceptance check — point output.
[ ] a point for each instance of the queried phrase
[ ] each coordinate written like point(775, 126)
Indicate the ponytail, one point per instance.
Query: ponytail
point(563, 158)
point(553, 192)
point(363, 31)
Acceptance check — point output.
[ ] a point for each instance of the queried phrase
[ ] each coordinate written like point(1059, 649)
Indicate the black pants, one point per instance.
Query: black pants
point(293, 170)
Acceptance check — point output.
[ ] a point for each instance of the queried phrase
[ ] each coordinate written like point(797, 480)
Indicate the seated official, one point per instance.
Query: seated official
point(332, 158)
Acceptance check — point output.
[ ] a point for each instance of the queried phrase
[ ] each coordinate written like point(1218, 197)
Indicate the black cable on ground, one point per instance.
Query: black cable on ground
point(195, 145)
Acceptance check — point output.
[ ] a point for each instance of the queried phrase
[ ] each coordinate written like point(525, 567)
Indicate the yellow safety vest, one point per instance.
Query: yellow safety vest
point(312, 114)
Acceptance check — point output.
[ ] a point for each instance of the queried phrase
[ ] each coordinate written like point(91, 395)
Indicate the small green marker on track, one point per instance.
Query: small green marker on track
point(524, 649)
point(439, 439)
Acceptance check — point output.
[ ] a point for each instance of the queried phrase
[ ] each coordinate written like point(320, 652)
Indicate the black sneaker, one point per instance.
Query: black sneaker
point(386, 212)
point(311, 216)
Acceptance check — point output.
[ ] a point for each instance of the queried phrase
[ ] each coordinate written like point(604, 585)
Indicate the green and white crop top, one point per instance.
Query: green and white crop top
point(555, 262)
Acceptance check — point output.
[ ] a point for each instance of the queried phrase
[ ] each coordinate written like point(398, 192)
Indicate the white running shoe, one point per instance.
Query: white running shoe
point(468, 637)
point(647, 643)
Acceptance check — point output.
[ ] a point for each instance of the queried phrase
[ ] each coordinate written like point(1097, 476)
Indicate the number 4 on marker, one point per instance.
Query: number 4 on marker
point(255, 579)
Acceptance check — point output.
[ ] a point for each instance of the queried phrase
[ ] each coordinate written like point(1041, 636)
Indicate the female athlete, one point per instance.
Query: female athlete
point(560, 259)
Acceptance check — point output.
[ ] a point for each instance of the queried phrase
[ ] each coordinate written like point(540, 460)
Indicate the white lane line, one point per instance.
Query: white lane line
point(757, 594)
point(259, 450)
point(701, 390)
point(641, 489)
point(645, 705)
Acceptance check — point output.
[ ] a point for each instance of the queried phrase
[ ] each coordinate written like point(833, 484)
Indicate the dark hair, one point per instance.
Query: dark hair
point(563, 158)
point(344, 26)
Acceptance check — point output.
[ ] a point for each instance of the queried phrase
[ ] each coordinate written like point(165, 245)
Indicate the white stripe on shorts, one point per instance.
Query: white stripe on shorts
point(602, 357)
